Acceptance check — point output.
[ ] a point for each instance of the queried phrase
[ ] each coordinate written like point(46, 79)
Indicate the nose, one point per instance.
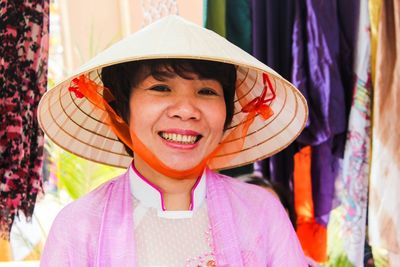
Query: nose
point(184, 108)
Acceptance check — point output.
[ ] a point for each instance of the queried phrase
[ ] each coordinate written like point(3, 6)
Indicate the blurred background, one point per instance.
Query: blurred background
point(339, 180)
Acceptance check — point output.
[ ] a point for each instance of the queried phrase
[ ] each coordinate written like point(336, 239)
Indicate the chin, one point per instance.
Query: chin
point(181, 165)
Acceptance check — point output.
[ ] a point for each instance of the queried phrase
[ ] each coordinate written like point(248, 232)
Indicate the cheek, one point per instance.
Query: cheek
point(218, 117)
point(144, 114)
point(132, 115)
point(137, 111)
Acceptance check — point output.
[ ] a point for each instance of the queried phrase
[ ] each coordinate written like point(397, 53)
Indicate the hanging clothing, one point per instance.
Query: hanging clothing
point(238, 24)
point(384, 203)
point(323, 37)
point(249, 229)
point(375, 7)
point(312, 235)
point(272, 34)
point(352, 181)
point(316, 71)
point(23, 76)
point(215, 16)
point(324, 170)
point(320, 48)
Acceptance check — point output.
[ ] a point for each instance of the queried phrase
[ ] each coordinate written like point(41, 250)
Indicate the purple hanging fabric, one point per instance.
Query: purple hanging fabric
point(323, 40)
point(324, 170)
point(23, 79)
point(316, 71)
point(272, 34)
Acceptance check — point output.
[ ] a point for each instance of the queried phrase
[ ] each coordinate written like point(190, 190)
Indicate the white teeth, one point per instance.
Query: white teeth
point(184, 139)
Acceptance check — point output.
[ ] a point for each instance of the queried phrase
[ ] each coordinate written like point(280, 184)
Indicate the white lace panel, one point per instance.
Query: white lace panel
point(173, 242)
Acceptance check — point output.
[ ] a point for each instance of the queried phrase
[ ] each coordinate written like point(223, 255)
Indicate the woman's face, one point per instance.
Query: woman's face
point(179, 120)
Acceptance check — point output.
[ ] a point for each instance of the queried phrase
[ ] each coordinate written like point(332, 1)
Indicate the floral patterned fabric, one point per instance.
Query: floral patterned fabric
point(23, 79)
point(352, 182)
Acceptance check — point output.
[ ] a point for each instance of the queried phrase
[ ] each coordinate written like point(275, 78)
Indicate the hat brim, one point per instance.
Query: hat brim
point(79, 127)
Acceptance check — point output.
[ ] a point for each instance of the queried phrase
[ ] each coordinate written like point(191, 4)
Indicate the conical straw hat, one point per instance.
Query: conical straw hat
point(78, 126)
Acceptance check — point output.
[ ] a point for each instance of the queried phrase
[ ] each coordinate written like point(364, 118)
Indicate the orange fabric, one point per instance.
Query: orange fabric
point(100, 96)
point(313, 236)
point(5, 250)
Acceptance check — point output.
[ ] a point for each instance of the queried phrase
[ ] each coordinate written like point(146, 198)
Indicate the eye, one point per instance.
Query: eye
point(208, 91)
point(160, 88)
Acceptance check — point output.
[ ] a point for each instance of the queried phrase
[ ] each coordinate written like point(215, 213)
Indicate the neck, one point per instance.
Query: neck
point(176, 191)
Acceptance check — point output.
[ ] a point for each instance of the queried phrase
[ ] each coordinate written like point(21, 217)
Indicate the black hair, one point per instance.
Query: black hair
point(121, 78)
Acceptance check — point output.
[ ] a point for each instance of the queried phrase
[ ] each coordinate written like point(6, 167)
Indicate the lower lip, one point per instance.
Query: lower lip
point(180, 145)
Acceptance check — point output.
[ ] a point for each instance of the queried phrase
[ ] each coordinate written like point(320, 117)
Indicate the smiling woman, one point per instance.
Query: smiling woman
point(122, 78)
point(182, 109)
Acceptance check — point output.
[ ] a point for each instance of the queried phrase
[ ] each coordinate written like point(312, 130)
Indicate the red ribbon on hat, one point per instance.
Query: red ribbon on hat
point(259, 105)
point(74, 88)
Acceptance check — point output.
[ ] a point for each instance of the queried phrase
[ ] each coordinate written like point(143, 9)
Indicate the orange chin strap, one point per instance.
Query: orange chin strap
point(100, 96)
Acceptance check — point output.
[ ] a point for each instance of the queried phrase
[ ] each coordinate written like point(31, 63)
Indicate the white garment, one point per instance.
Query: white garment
point(170, 238)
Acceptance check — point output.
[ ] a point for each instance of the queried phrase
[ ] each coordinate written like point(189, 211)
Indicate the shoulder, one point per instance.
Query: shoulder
point(260, 220)
point(255, 196)
point(94, 199)
point(74, 234)
point(87, 209)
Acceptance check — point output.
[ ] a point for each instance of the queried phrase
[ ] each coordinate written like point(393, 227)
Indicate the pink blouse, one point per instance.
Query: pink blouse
point(249, 227)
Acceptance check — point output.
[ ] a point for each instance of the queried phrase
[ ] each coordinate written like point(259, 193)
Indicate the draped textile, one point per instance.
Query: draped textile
point(312, 235)
point(384, 201)
point(23, 56)
point(5, 250)
point(215, 16)
point(322, 45)
point(323, 40)
point(272, 34)
point(374, 14)
point(238, 24)
point(352, 182)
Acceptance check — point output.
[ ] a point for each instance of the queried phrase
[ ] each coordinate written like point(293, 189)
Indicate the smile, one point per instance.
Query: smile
point(180, 138)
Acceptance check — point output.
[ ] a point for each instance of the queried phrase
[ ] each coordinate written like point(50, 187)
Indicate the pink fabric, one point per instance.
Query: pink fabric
point(249, 226)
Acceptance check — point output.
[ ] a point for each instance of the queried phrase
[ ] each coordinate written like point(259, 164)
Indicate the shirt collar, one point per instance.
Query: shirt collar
point(150, 195)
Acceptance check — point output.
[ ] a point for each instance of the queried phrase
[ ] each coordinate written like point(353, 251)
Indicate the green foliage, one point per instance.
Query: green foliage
point(76, 175)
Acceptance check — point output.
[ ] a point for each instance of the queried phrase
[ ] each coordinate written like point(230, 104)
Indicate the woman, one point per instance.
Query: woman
point(182, 101)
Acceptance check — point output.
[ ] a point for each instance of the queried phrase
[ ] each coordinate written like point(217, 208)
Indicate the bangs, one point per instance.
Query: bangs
point(189, 69)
